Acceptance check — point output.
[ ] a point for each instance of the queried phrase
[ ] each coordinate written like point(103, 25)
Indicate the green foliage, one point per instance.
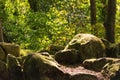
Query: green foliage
point(36, 26)
point(2, 13)
point(14, 24)
point(118, 22)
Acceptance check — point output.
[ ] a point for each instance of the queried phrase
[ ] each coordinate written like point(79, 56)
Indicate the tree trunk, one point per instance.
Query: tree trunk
point(104, 9)
point(109, 23)
point(93, 16)
point(93, 12)
point(33, 5)
point(1, 32)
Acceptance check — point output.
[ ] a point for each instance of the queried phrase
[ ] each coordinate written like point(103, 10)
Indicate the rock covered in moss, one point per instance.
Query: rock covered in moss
point(2, 54)
point(54, 48)
point(97, 64)
point(106, 43)
point(68, 56)
point(88, 46)
point(114, 50)
point(14, 68)
point(37, 66)
point(9, 48)
point(112, 70)
point(3, 71)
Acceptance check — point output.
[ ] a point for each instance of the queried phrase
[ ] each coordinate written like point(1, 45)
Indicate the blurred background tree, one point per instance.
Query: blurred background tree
point(109, 23)
point(36, 24)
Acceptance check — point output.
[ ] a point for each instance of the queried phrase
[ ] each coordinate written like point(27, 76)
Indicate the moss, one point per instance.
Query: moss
point(3, 71)
point(2, 54)
point(9, 48)
point(14, 68)
point(87, 45)
point(98, 64)
point(68, 56)
point(111, 69)
point(37, 66)
point(24, 52)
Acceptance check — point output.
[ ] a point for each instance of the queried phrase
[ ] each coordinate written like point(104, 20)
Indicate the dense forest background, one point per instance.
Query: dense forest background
point(36, 24)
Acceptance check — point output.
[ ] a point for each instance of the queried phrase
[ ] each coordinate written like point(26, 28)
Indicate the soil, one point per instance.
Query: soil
point(79, 69)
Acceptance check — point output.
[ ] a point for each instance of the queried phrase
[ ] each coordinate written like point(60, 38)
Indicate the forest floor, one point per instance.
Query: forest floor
point(79, 69)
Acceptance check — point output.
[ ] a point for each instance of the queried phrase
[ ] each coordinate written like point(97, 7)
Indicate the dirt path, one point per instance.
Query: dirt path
point(78, 69)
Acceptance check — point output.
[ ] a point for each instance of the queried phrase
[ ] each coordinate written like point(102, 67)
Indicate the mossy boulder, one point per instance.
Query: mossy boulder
point(3, 71)
point(114, 50)
point(68, 56)
point(112, 70)
point(9, 48)
point(97, 64)
point(2, 54)
point(37, 67)
point(54, 48)
point(14, 68)
point(88, 46)
point(106, 43)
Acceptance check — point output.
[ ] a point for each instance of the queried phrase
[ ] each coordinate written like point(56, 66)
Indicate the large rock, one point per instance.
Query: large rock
point(3, 71)
point(88, 46)
point(14, 68)
point(97, 64)
point(68, 56)
point(2, 54)
point(106, 43)
point(112, 70)
point(54, 48)
point(9, 48)
point(113, 51)
point(40, 67)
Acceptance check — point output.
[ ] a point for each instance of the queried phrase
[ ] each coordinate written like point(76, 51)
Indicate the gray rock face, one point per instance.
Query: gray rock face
point(87, 45)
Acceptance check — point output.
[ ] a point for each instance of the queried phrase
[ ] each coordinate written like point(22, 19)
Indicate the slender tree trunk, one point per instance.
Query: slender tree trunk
point(93, 16)
point(104, 9)
point(109, 23)
point(33, 5)
point(93, 12)
point(1, 32)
